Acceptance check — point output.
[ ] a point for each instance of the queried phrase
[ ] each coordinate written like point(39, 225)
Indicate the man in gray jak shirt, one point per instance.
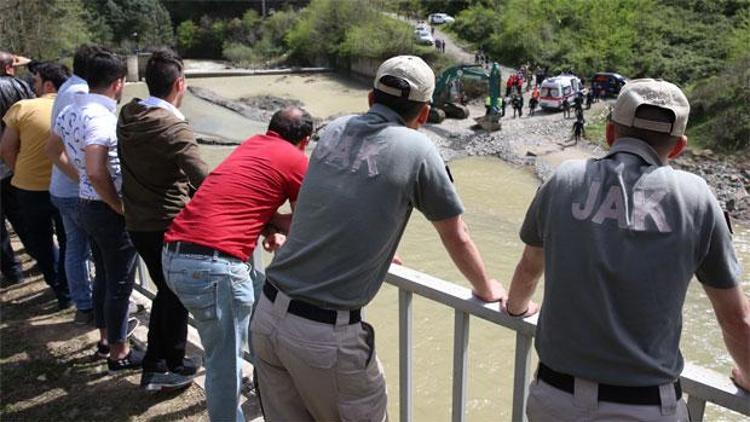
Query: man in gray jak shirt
point(314, 356)
point(620, 239)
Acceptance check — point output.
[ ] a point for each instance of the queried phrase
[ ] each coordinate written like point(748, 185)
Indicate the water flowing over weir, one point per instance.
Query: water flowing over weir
point(495, 195)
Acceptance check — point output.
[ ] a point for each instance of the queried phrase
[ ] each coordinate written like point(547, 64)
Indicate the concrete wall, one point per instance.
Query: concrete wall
point(364, 67)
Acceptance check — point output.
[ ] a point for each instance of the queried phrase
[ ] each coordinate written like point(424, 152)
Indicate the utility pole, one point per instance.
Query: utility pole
point(263, 9)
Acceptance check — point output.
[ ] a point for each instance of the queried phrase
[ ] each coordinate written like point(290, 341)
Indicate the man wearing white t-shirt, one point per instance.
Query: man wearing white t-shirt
point(88, 130)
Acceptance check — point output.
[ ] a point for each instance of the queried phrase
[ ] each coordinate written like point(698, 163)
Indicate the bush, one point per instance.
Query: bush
point(720, 108)
point(276, 26)
point(379, 39)
point(240, 54)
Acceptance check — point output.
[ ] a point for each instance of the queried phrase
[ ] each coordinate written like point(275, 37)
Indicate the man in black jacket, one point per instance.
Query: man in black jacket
point(160, 166)
point(12, 90)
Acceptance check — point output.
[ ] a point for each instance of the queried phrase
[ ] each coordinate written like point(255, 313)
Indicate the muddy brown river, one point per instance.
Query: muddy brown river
point(495, 195)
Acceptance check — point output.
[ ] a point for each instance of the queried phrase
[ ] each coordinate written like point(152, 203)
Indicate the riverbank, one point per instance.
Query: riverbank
point(540, 142)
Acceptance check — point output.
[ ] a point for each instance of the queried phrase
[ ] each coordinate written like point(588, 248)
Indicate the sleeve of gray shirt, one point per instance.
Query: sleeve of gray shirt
point(719, 267)
point(433, 192)
point(532, 232)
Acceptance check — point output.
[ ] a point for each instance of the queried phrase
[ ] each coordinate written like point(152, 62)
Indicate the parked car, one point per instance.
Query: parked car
point(440, 18)
point(424, 37)
point(422, 26)
point(555, 90)
point(606, 84)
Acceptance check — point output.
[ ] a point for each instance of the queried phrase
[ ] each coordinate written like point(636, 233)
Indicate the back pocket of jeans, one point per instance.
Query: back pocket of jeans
point(200, 301)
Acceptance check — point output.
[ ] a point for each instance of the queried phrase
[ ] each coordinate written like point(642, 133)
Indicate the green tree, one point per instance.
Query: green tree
point(187, 37)
point(44, 29)
point(135, 23)
point(276, 26)
point(378, 39)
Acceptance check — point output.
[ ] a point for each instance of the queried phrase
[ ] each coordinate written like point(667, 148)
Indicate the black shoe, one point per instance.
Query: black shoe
point(63, 304)
point(102, 351)
point(8, 281)
point(133, 360)
point(164, 381)
point(188, 368)
point(84, 317)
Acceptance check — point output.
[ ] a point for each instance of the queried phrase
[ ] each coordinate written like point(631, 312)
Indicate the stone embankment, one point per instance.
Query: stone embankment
point(728, 177)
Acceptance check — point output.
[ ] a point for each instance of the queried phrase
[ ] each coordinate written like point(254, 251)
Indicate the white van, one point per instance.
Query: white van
point(555, 90)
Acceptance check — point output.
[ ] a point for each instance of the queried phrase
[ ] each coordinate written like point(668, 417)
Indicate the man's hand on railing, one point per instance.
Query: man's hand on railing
point(397, 260)
point(492, 291)
point(531, 309)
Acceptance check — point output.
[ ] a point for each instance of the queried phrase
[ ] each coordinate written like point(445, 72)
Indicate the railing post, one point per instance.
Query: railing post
point(696, 406)
point(141, 272)
point(521, 375)
point(460, 361)
point(405, 355)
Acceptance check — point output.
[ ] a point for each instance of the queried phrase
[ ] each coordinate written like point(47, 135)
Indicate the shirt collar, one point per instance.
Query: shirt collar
point(386, 113)
point(76, 80)
point(102, 100)
point(636, 147)
point(152, 101)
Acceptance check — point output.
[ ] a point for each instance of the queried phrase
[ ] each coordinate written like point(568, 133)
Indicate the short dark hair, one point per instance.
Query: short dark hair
point(81, 59)
point(53, 72)
point(404, 107)
point(292, 123)
point(163, 68)
point(104, 67)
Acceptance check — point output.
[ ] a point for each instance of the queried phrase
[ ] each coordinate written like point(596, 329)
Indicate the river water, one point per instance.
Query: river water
point(495, 195)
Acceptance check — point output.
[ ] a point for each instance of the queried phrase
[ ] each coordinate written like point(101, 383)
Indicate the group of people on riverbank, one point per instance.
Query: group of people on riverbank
point(619, 239)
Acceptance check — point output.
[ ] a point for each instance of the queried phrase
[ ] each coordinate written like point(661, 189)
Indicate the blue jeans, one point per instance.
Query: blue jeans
point(77, 252)
point(218, 292)
point(115, 259)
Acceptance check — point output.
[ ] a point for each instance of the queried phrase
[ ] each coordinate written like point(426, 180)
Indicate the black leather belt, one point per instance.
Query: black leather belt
point(610, 393)
point(94, 203)
point(193, 249)
point(309, 311)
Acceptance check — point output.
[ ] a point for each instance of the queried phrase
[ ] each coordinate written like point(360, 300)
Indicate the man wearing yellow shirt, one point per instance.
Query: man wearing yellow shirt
point(22, 148)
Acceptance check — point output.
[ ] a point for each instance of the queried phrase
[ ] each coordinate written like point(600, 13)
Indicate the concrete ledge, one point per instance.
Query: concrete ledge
point(254, 72)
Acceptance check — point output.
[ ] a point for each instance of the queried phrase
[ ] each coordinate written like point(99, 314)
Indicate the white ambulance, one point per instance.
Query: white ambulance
point(556, 89)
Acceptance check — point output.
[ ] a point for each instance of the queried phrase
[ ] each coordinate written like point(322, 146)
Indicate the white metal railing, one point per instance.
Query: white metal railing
point(701, 385)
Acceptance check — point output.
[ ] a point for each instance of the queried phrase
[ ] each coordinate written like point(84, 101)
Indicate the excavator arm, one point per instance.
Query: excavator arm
point(443, 103)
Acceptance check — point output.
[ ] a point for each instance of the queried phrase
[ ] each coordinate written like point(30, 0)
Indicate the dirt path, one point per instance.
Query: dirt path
point(48, 370)
point(461, 53)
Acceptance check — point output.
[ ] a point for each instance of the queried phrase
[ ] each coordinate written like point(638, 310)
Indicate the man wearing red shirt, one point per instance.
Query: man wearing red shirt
point(207, 247)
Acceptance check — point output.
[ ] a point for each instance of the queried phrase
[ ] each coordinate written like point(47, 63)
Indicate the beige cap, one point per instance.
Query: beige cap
point(412, 70)
point(654, 92)
point(20, 61)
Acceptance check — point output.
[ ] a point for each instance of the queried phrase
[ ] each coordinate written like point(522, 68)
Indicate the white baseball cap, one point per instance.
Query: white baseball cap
point(657, 93)
point(20, 61)
point(412, 70)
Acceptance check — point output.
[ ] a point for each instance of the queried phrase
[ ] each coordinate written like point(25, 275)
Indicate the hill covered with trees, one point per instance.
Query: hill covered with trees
point(702, 45)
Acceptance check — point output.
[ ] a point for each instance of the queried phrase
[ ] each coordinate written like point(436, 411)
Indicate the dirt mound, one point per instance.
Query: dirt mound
point(269, 102)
